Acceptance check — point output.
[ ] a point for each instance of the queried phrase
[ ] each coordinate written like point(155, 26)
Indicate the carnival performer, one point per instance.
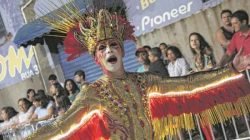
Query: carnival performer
point(139, 106)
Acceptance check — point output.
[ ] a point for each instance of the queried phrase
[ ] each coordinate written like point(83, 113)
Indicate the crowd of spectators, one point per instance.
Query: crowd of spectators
point(40, 106)
point(167, 60)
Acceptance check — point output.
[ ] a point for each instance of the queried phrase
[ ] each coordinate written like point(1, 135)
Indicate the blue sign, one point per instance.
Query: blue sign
point(16, 64)
point(147, 15)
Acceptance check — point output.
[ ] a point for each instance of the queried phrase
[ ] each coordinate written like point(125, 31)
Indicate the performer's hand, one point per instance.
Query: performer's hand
point(241, 62)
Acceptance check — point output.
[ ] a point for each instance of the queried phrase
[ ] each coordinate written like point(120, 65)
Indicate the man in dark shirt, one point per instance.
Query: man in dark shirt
point(156, 64)
point(225, 33)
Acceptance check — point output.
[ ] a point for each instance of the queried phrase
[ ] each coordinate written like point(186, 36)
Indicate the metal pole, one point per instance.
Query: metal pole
point(179, 135)
point(246, 138)
point(248, 129)
point(199, 128)
point(39, 68)
point(235, 128)
point(190, 135)
point(248, 77)
point(223, 130)
point(212, 132)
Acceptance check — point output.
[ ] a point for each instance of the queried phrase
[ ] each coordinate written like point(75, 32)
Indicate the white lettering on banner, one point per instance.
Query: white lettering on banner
point(159, 19)
point(29, 73)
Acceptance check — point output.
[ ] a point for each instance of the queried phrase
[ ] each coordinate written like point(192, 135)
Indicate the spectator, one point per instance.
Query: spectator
point(53, 79)
point(142, 57)
point(26, 111)
point(57, 89)
point(9, 116)
point(146, 47)
point(71, 89)
point(164, 47)
point(203, 55)
point(40, 92)
point(177, 65)
point(30, 94)
point(241, 38)
point(156, 64)
point(63, 104)
point(43, 111)
point(79, 77)
point(225, 33)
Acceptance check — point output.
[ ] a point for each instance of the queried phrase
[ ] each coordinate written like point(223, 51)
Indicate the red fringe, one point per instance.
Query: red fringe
point(94, 129)
point(195, 103)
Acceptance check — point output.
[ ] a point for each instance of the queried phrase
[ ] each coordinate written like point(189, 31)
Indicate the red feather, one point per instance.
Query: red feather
point(72, 46)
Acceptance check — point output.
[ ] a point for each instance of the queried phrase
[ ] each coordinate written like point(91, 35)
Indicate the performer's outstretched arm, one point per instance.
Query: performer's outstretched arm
point(84, 115)
point(190, 82)
point(212, 96)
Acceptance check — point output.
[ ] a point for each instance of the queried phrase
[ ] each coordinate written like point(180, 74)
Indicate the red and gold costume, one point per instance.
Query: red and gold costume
point(140, 104)
point(143, 106)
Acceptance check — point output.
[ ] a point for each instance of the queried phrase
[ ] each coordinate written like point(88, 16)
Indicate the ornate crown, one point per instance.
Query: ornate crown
point(84, 31)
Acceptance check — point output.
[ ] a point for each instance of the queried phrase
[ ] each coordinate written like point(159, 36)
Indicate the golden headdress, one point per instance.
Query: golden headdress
point(84, 31)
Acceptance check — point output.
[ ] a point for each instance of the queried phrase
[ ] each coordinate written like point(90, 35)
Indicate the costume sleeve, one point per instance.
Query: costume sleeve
point(83, 120)
point(214, 96)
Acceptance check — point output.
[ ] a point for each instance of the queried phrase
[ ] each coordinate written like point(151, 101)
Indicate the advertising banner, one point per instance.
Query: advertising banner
point(16, 63)
point(147, 15)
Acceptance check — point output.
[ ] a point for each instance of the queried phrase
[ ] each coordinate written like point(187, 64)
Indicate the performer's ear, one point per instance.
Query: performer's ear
point(96, 60)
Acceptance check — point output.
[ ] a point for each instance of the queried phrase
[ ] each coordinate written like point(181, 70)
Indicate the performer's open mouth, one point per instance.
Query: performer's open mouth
point(112, 59)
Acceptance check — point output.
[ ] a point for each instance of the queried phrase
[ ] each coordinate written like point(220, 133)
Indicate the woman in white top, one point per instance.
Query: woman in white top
point(9, 116)
point(44, 109)
point(177, 65)
point(26, 111)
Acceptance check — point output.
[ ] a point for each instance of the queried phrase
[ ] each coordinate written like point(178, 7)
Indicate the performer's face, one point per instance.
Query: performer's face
point(109, 55)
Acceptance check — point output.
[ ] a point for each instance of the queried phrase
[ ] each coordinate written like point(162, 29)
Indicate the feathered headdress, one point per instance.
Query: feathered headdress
point(85, 30)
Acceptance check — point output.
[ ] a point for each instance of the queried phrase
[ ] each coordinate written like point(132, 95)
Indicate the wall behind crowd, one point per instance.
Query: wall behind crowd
point(13, 20)
point(205, 22)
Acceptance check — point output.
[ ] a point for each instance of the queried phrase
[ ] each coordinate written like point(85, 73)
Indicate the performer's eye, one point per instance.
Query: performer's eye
point(102, 47)
point(113, 44)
